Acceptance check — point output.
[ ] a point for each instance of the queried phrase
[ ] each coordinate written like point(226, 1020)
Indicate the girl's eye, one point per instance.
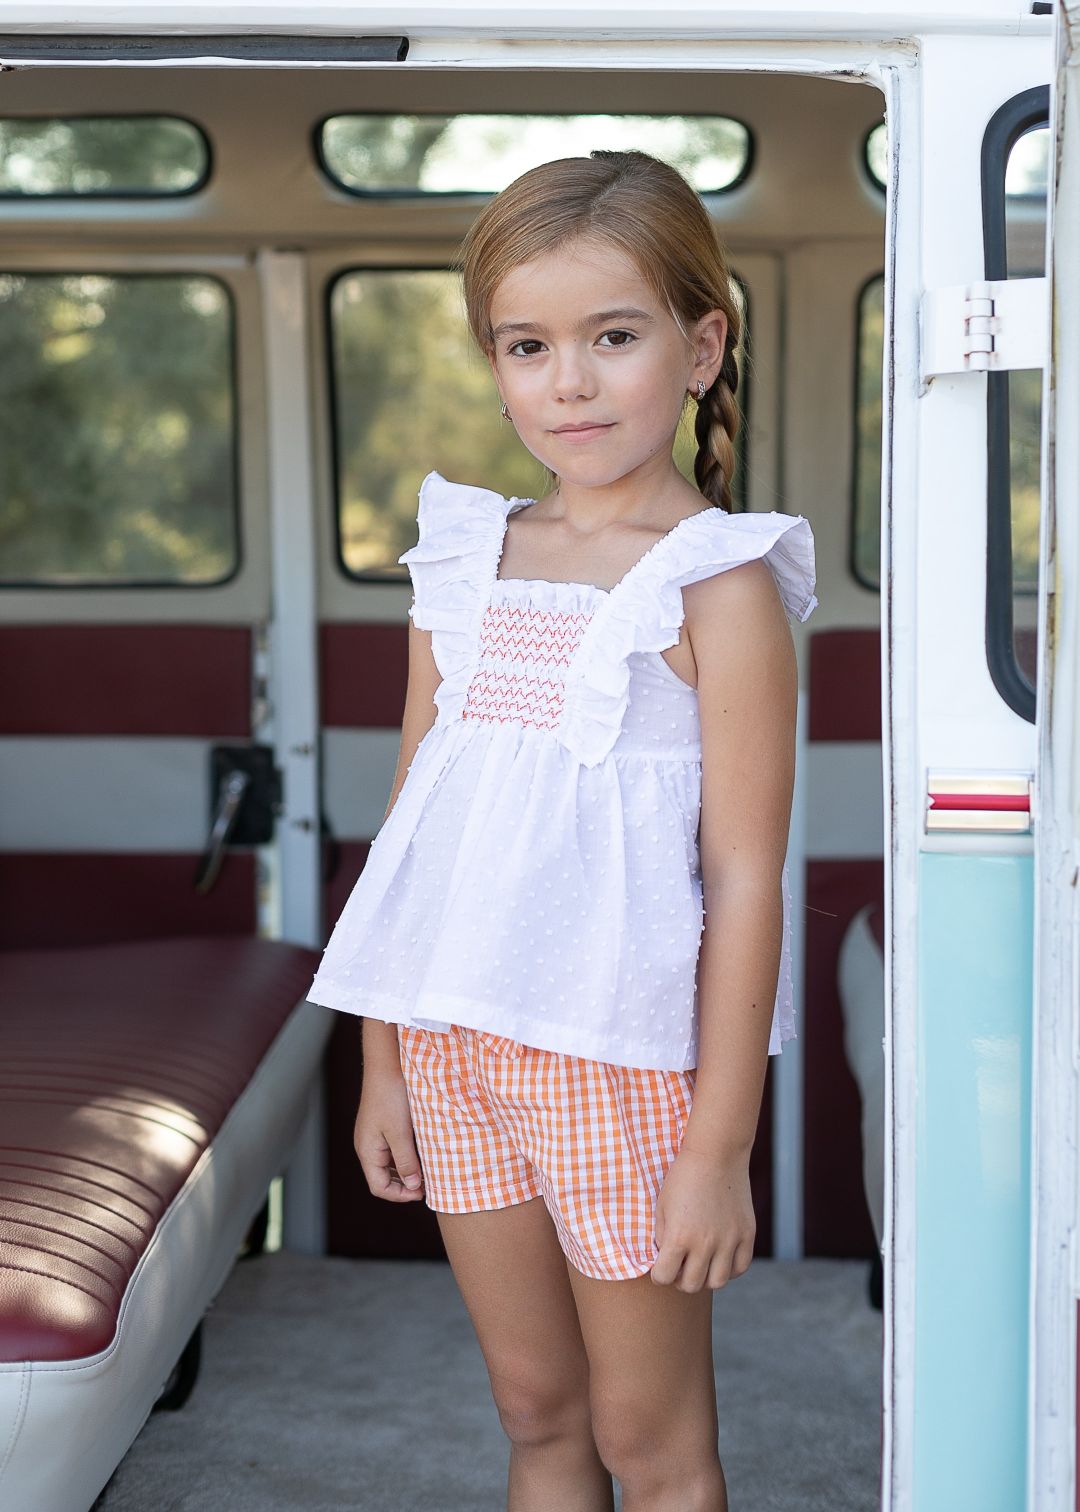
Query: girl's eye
point(529, 346)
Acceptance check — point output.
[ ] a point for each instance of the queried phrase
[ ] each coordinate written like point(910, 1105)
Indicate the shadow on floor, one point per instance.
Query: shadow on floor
point(332, 1385)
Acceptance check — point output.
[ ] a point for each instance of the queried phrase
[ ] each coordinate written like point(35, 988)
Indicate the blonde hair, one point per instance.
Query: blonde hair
point(647, 209)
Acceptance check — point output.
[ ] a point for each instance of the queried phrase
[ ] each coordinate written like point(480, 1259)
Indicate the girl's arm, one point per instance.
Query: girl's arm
point(379, 1038)
point(748, 694)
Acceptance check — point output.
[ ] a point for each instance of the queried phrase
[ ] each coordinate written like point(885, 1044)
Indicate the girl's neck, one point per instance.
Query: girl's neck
point(650, 497)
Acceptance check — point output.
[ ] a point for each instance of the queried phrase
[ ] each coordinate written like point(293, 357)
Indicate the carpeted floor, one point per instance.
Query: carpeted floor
point(332, 1385)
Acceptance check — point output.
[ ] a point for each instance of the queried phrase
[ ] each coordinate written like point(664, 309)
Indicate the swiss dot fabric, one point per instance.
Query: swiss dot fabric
point(497, 1122)
point(539, 875)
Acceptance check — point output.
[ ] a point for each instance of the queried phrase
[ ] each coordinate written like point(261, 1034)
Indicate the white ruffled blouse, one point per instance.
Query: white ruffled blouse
point(538, 876)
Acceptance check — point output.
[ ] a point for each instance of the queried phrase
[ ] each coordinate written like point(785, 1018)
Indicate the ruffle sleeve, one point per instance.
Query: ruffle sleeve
point(452, 566)
point(645, 611)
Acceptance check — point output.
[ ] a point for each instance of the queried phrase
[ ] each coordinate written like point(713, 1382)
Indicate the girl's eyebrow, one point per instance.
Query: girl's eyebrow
point(628, 312)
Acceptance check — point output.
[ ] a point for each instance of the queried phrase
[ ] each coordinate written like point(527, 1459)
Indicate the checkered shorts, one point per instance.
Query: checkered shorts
point(497, 1122)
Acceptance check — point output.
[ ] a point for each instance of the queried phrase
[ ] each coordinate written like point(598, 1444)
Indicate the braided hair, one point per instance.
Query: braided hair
point(646, 208)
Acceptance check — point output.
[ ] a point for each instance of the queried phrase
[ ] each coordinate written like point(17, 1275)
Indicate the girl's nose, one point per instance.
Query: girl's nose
point(570, 377)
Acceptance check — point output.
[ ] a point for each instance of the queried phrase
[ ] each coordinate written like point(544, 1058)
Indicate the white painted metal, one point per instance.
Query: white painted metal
point(563, 18)
point(1056, 1102)
point(294, 684)
point(943, 710)
point(984, 326)
point(358, 774)
point(898, 536)
point(844, 816)
point(104, 793)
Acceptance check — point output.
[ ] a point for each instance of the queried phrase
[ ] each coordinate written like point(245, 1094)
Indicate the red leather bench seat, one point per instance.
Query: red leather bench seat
point(118, 1065)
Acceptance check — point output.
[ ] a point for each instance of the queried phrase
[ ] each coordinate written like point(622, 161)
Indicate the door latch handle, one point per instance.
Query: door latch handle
point(231, 797)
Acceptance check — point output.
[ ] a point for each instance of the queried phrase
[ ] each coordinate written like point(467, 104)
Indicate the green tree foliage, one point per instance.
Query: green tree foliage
point(470, 154)
point(100, 155)
point(117, 429)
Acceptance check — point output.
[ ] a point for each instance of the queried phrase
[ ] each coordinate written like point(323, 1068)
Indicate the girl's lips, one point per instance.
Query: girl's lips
point(586, 434)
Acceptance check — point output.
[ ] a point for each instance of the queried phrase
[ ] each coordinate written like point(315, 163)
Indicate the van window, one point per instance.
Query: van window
point(87, 156)
point(866, 463)
point(117, 430)
point(481, 154)
point(1015, 186)
point(410, 393)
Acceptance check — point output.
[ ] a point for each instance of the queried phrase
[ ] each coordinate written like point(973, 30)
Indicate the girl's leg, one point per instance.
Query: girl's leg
point(513, 1278)
point(653, 1391)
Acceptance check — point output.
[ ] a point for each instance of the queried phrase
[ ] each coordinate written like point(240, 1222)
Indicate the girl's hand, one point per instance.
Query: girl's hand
point(383, 1138)
point(705, 1223)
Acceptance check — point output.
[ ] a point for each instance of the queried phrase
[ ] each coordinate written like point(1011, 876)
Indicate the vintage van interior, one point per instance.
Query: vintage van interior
point(232, 349)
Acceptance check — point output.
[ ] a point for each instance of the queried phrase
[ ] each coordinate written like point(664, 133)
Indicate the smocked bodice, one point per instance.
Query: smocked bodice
point(530, 632)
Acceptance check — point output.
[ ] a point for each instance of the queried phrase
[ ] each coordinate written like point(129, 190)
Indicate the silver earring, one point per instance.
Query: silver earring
point(701, 388)
point(504, 412)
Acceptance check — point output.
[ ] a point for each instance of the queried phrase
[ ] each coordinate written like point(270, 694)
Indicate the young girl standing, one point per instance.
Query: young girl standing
point(570, 940)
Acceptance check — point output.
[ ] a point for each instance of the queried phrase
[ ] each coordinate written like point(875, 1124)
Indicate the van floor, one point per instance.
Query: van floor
point(330, 1384)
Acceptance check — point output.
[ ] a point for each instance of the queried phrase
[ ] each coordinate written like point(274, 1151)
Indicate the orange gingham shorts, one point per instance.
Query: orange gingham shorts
point(498, 1122)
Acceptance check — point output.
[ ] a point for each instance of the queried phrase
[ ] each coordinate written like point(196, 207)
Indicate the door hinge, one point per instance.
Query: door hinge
point(988, 326)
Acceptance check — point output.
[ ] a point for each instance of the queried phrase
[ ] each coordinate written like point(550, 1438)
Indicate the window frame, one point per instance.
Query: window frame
point(127, 585)
point(853, 498)
point(14, 197)
point(1029, 108)
point(482, 196)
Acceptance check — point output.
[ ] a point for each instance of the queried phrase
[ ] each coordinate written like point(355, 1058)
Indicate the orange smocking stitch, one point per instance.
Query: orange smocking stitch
point(514, 637)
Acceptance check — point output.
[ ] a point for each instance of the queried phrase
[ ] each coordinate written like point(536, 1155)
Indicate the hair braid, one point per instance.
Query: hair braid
point(715, 427)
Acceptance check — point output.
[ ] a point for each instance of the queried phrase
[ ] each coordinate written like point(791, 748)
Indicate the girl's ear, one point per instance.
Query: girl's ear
point(710, 341)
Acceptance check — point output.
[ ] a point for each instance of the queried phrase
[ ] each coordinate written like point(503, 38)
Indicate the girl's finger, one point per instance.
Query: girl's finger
point(407, 1162)
point(719, 1273)
point(668, 1264)
point(378, 1166)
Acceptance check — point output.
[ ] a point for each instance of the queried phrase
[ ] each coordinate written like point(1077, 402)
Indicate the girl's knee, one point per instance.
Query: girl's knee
point(535, 1411)
point(627, 1435)
point(640, 1444)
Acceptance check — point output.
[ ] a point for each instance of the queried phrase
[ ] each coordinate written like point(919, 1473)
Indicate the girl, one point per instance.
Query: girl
point(569, 942)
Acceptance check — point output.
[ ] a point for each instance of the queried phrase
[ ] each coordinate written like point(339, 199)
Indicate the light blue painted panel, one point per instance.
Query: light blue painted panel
point(973, 1162)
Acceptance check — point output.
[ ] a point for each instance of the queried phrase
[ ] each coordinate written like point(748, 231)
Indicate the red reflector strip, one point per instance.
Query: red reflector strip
point(1018, 801)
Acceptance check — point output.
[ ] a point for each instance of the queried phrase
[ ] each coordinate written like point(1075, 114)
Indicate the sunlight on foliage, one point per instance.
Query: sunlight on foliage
point(117, 429)
point(470, 154)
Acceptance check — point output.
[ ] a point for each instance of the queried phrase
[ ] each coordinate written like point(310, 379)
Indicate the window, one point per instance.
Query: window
point(88, 156)
point(117, 430)
point(481, 154)
point(866, 469)
point(1015, 187)
point(411, 393)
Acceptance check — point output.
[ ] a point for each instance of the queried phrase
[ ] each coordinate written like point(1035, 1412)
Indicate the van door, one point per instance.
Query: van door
point(1053, 1361)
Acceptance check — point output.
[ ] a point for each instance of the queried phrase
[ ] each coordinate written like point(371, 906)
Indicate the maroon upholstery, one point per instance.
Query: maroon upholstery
point(118, 1065)
point(126, 680)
